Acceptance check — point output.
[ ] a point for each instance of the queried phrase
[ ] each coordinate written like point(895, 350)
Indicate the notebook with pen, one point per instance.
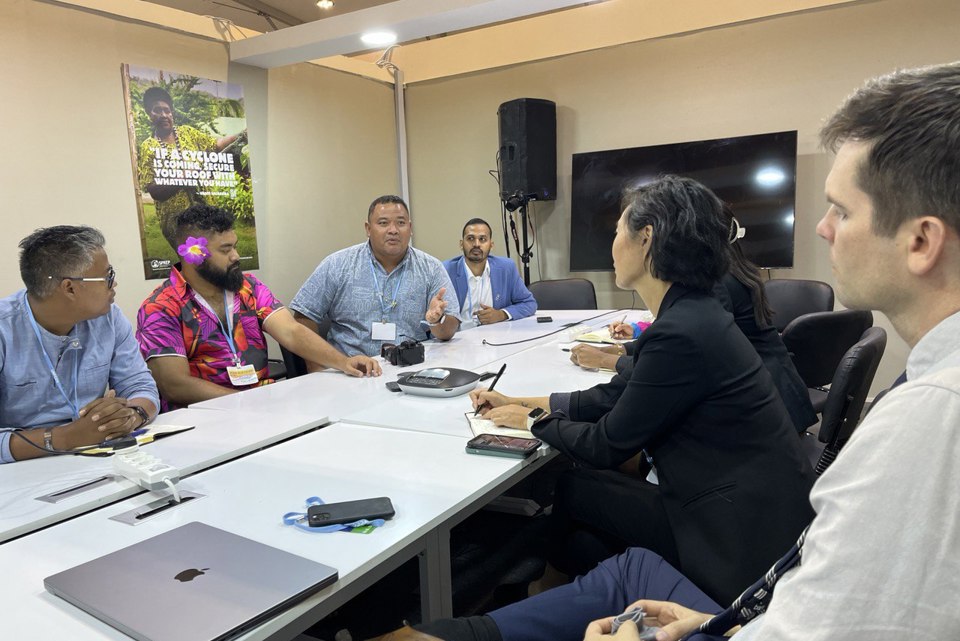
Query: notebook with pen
point(192, 583)
point(480, 425)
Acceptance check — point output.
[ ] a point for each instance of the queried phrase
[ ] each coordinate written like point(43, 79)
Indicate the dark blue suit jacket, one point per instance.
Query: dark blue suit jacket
point(509, 292)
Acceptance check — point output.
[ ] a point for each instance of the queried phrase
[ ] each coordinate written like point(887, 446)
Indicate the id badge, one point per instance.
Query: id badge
point(242, 375)
point(383, 331)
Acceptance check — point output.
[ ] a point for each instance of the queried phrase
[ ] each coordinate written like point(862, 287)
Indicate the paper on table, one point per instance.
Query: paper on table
point(480, 425)
point(601, 335)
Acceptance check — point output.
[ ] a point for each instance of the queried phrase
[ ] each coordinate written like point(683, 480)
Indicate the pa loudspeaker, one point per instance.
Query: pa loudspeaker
point(528, 149)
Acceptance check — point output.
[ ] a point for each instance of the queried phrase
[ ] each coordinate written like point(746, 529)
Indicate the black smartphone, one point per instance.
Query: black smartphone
point(509, 446)
point(544, 319)
point(350, 511)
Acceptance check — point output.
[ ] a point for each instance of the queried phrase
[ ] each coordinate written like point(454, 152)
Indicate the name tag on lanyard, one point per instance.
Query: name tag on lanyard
point(383, 331)
point(242, 375)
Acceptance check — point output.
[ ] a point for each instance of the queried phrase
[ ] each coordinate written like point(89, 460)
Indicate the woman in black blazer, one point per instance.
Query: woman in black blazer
point(733, 482)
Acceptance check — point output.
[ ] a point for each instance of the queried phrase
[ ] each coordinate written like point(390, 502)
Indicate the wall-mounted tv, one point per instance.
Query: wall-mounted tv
point(756, 175)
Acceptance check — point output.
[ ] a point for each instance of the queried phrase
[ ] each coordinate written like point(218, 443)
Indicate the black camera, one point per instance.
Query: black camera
point(406, 353)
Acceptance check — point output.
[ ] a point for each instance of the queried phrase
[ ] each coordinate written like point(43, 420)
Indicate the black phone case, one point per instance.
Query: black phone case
point(477, 446)
point(350, 511)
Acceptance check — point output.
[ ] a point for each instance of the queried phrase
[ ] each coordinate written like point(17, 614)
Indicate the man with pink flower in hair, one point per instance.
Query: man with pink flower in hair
point(202, 331)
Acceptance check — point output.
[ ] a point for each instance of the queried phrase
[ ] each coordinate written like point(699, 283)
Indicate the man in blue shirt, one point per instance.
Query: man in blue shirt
point(70, 368)
point(380, 291)
point(489, 287)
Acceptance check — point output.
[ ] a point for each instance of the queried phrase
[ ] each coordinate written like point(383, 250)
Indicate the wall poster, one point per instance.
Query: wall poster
point(188, 143)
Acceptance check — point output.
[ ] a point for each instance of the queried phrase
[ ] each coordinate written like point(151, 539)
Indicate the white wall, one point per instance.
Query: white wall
point(769, 75)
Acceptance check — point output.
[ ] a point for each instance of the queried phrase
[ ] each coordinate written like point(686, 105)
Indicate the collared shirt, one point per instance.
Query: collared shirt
point(98, 354)
point(355, 291)
point(174, 321)
point(480, 292)
point(884, 549)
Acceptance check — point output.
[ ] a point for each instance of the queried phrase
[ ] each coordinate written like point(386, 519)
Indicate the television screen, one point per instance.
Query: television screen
point(756, 175)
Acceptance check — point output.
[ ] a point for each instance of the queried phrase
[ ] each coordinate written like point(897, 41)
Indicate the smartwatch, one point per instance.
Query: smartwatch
point(142, 413)
point(535, 415)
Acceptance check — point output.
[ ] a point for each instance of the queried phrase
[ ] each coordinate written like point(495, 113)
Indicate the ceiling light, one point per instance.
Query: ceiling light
point(378, 38)
point(325, 4)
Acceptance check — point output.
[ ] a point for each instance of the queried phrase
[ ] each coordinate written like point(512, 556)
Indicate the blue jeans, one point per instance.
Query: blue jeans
point(562, 614)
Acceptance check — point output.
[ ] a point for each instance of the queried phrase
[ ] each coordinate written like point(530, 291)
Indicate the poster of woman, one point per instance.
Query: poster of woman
point(188, 143)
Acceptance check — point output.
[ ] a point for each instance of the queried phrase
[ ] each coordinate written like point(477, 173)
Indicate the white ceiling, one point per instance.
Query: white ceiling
point(439, 38)
point(254, 14)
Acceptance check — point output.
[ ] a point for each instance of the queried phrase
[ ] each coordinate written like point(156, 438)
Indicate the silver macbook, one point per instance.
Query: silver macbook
point(195, 582)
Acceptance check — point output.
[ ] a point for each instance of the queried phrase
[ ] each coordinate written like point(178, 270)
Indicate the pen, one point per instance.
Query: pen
point(490, 389)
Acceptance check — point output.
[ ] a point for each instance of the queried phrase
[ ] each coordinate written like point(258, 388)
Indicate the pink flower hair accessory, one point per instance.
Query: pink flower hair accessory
point(194, 251)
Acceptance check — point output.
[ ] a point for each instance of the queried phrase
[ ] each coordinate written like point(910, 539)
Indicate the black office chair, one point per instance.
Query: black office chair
point(845, 400)
point(789, 298)
point(566, 293)
point(817, 342)
point(295, 365)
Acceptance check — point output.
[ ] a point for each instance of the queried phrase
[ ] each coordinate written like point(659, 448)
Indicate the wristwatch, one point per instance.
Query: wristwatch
point(535, 415)
point(142, 413)
point(48, 439)
point(439, 320)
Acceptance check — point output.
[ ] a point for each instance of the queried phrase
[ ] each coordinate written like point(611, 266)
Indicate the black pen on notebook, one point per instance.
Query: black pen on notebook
point(490, 389)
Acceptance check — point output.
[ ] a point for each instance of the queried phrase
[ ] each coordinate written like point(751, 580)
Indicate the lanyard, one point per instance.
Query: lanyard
point(299, 519)
point(480, 293)
point(74, 403)
point(392, 305)
point(228, 332)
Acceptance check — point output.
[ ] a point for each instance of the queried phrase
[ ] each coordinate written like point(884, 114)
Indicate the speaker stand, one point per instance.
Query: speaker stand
point(526, 254)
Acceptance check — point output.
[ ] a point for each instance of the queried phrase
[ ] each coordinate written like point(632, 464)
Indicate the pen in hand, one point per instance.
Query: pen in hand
point(490, 389)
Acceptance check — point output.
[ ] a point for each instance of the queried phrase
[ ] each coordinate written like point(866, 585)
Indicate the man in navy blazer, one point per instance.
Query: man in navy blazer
point(489, 287)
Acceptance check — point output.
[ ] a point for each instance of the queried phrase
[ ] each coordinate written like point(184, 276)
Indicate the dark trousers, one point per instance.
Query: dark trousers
point(599, 513)
point(562, 614)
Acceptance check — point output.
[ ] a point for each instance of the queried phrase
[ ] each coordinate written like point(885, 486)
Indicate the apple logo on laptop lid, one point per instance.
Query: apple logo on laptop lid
point(189, 574)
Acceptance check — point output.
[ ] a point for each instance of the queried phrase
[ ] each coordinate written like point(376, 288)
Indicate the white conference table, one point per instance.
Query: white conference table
point(218, 436)
point(345, 398)
point(433, 483)
point(536, 371)
point(340, 397)
point(403, 449)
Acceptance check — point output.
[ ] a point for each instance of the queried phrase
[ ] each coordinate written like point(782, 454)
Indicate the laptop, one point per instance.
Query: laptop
point(193, 583)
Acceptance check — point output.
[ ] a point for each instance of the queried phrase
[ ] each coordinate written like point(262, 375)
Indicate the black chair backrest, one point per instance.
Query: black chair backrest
point(789, 298)
point(818, 341)
point(295, 365)
point(848, 393)
point(567, 293)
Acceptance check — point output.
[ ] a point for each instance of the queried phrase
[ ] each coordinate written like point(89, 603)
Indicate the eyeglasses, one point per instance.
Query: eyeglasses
point(109, 279)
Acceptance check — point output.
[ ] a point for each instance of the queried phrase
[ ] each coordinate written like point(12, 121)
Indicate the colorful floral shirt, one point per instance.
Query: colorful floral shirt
point(174, 322)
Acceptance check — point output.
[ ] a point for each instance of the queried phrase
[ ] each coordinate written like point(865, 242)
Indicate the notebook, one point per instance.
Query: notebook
point(480, 425)
point(193, 583)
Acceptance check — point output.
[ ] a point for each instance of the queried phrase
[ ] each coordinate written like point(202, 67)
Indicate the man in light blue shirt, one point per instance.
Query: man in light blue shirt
point(70, 368)
point(380, 291)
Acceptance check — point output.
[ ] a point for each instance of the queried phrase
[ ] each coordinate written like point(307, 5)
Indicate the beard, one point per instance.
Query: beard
point(230, 279)
point(475, 257)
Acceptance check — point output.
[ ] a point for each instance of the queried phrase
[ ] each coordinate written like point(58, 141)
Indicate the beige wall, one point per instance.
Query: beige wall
point(777, 74)
point(332, 150)
point(323, 142)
